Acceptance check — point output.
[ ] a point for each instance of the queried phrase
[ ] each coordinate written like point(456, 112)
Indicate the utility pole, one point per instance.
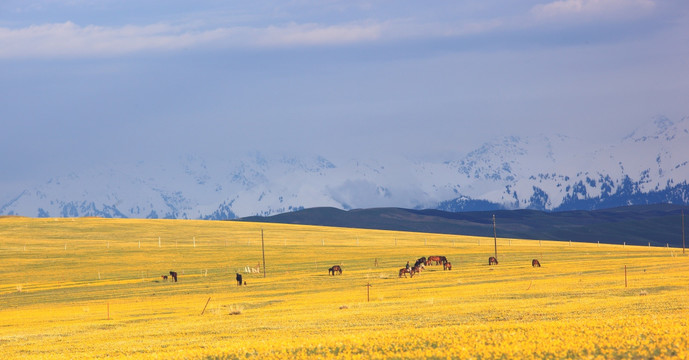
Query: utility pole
point(263, 250)
point(495, 238)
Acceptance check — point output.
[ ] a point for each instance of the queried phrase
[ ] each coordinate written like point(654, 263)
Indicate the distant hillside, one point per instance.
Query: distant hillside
point(636, 225)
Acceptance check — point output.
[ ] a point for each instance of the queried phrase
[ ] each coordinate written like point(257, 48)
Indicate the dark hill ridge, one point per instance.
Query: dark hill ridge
point(659, 224)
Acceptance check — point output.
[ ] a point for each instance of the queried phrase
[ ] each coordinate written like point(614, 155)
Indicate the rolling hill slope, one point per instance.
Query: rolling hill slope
point(658, 225)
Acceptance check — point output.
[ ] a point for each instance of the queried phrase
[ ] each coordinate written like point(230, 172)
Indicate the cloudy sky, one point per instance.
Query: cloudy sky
point(88, 81)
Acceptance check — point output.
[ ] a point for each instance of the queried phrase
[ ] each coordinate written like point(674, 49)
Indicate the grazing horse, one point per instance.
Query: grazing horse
point(447, 265)
point(174, 275)
point(437, 259)
point(404, 271)
point(535, 263)
point(492, 260)
point(420, 262)
point(164, 277)
point(334, 269)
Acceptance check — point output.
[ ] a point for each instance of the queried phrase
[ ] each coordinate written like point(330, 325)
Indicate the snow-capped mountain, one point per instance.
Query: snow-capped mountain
point(554, 172)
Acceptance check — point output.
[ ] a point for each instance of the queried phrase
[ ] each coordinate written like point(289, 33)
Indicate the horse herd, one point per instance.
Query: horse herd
point(422, 262)
point(419, 265)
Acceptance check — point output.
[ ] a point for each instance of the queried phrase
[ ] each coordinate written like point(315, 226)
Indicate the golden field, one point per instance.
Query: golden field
point(92, 288)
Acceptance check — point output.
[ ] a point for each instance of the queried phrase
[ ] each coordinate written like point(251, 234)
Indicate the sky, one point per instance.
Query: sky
point(85, 82)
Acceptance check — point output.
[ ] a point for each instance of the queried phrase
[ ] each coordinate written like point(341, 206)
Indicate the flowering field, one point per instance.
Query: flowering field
point(92, 288)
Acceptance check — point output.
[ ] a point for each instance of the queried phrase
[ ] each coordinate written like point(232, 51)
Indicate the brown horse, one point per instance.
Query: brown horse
point(447, 266)
point(535, 263)
point(334, 269)
point(405, 271)
point(437, 259)
point(492, 260)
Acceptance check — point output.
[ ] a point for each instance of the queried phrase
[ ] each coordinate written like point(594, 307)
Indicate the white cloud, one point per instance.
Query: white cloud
point(71, 40)
point(592, 8)
point(314, 34)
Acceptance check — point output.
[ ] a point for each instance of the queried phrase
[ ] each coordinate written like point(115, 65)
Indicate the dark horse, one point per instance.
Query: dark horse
point(535, 263)
point(437, 259)
point(415, 270)
point(174, 275)
point(334, 269)
point(492, 260)
point(447, 265)
point(404, 271)
point(239, 279)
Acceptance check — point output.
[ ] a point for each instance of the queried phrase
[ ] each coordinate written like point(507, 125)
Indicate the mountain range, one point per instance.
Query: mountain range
point(539, 172)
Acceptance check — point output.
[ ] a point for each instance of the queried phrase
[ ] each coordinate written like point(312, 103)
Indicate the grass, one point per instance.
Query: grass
point(85, 288)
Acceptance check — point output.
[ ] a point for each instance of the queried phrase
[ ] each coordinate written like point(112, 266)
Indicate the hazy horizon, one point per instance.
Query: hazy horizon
point(88, 82)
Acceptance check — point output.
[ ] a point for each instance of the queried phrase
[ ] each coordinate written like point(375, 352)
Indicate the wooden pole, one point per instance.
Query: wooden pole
point(682, 231)
point(204, 308)
point(368, 292)
point(263, 250)
point(495, 238)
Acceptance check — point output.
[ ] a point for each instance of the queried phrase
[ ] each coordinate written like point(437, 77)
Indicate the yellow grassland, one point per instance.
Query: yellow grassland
point(92, 288)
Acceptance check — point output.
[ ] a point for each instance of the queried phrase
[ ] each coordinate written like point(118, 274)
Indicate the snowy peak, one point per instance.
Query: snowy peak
point(659, 128)
point(511, 157)
point(545, 172)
